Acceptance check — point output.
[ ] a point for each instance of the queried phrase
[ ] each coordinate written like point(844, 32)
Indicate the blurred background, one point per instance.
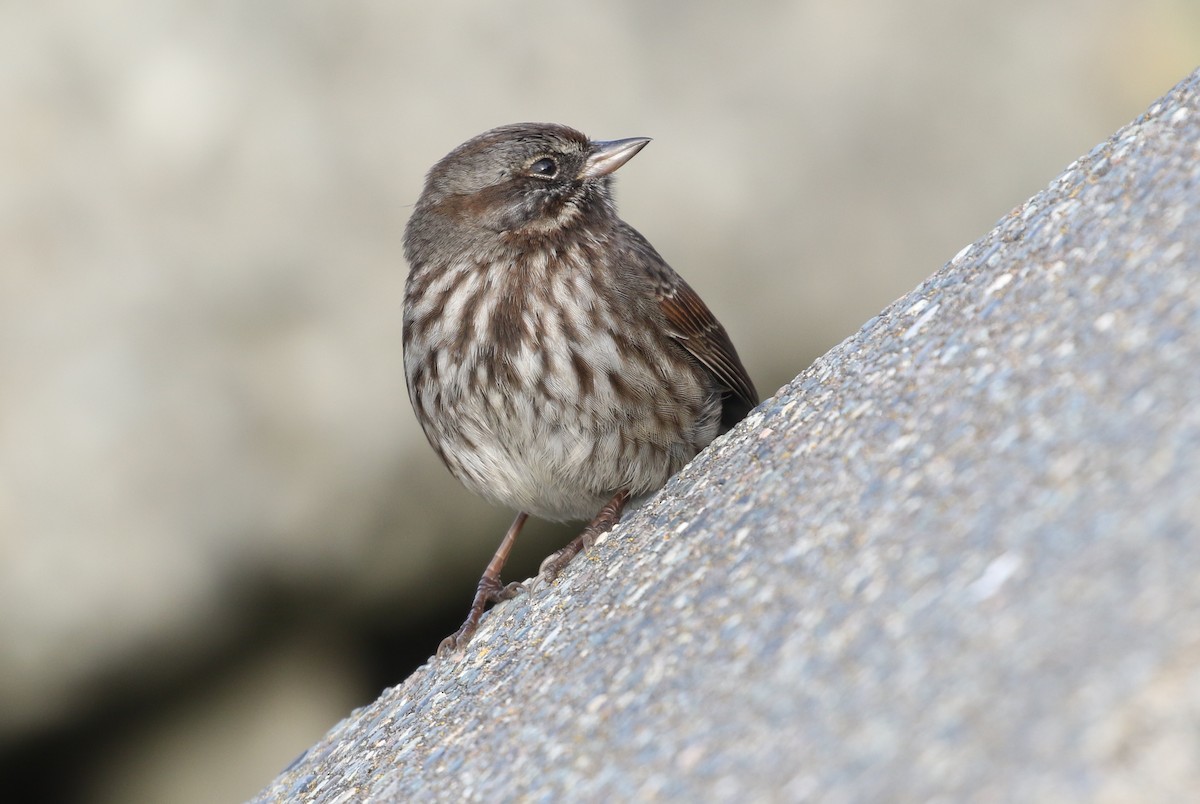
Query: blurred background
point(220, 528)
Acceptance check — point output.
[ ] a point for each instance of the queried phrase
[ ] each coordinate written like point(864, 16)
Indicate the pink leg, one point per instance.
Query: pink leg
point(609, 515)
point(489, 590)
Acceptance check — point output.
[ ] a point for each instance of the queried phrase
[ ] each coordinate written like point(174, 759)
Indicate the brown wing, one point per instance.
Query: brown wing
point(696, 329)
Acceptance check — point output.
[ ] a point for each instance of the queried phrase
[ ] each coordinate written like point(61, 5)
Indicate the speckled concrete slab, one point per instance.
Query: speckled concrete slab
point(957, 557)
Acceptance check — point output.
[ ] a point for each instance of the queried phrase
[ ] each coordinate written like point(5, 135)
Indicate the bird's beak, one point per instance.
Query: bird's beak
point(608, 155)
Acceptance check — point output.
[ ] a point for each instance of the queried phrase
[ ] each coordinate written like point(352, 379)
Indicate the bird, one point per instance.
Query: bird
point(556, 363)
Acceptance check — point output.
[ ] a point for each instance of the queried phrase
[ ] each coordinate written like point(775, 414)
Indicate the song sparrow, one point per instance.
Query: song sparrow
point(556, 363)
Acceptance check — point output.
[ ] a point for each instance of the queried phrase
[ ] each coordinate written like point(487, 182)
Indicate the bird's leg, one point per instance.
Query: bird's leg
point(608, 516)
point(489, 590)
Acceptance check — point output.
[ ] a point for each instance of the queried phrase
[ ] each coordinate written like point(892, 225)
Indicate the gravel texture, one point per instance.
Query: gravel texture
point(956, 557)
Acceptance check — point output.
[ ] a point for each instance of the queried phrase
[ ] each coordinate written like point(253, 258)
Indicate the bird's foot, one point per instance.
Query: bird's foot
point(609, 515)
point(490, 590)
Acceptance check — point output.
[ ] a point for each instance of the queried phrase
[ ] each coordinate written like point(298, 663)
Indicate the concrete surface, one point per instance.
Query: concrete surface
point(957, 557)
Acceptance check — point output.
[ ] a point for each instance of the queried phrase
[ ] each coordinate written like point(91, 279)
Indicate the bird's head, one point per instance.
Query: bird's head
point(528, 178)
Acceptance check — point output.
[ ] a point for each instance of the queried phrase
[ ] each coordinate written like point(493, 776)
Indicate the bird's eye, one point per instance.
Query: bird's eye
point(544, 167)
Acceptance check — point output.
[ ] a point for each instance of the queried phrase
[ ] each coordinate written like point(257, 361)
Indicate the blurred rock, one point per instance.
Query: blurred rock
point(953, 560)
point(238, 724)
